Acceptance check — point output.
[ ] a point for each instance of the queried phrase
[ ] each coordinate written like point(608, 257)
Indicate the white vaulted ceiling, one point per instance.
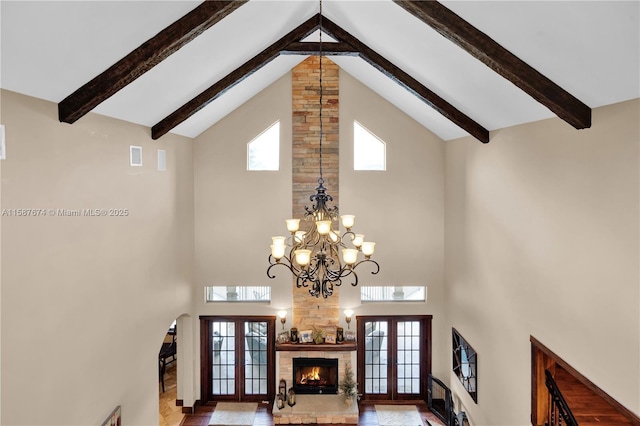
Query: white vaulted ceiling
point(589, 48)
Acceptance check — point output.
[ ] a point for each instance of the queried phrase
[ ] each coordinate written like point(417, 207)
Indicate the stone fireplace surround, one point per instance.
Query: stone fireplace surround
point(318, 409)
point(284, 361)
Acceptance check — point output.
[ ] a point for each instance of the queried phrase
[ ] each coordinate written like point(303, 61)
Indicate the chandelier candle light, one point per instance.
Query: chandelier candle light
point(313, 256)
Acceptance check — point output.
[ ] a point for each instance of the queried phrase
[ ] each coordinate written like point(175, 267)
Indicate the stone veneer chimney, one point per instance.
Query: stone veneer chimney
point(308, 310)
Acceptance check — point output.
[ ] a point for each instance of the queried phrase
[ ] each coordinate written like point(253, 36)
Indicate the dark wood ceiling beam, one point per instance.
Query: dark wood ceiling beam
point(233, 78)
point(314, 49)
point(499, 59)
point(408, 82)
point(346, 45)
point(143, 58)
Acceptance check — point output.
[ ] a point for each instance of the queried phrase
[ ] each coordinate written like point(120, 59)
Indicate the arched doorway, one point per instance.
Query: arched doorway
point(175, 384)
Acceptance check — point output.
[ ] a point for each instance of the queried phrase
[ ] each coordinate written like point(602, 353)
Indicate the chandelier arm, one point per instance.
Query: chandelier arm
point(345, 272)
point(312, 269)
point(368, 260)
point(349, 233)
point(323, 269)
point(355, 282)
point(333, 249)
point(302, 281)
point(315, 288)
point(327, 289)
point(289, 266)
point(327, 271)
point(314, 238)
point(269, 270)
point(336, 275)
point(295, 244)
point(289, 263)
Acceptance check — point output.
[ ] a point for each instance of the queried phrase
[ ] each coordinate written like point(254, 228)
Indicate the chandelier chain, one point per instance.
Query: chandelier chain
point(313, 255)
point(321, 179)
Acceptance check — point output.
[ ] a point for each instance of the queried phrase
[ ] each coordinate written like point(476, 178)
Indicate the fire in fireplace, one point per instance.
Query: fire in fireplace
point(315, 375)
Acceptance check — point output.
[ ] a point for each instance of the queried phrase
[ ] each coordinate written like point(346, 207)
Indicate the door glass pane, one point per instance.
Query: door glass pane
point(376, 345)
point(255, 357)
point(408, 356)
point(223, 368)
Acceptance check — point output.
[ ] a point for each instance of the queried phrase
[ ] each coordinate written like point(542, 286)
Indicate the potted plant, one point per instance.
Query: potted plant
point(348, 386)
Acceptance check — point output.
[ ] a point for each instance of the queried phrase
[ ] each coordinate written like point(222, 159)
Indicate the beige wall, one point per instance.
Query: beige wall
point(250, 207)
point(542, 239)
point(401, 209)
point(237, 211)
point(86, 301)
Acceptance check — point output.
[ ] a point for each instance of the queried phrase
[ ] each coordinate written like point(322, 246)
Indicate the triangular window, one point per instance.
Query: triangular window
point(369, 151)
point(263, 152)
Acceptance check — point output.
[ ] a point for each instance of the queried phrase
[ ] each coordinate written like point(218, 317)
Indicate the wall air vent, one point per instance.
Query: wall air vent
point(162, 160)
point(3, 149)
point(135, 155)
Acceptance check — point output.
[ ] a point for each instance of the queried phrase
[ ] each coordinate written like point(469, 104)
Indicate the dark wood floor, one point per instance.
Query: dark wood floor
point(264, 418)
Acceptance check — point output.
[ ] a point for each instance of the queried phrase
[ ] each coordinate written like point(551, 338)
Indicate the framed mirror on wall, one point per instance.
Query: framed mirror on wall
point(465, 364)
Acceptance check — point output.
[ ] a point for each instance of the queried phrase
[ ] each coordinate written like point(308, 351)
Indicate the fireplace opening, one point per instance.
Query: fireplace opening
point(315, 375)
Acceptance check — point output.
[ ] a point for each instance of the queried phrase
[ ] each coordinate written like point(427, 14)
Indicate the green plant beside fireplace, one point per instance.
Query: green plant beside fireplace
point(348, 386)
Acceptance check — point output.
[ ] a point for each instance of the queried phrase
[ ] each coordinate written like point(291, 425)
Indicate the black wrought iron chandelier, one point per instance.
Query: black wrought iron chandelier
point(313, 256)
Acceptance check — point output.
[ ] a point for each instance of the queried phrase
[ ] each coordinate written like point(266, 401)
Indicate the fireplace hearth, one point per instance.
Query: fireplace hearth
point(315, 375)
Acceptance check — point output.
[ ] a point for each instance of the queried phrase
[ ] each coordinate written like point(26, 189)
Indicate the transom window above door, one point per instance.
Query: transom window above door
point(410, 293)
point(236, 293)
